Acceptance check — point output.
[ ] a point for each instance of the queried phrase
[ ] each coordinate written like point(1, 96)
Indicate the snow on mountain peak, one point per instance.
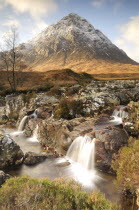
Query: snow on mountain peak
point(74, 35)
point(70, 27)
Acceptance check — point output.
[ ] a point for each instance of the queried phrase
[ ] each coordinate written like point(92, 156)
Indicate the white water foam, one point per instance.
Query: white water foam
point(119, 115)
point(34, 138)
point(81, 156)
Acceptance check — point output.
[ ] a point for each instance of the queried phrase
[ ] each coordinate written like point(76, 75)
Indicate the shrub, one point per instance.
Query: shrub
point(55, 91)
point(69, 109)
point(126, 165)
point(32, 193)
point(26, 97)
point(45, 87)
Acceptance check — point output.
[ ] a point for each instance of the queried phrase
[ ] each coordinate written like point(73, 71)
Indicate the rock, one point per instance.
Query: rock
point(108, 143)
point(59, 134)
point(3, 177)
point(32, 158)
point(42, 99)
point(10, 152)
point(44, 112)
point(30, 112)
point(30, 126)
point(4, 117)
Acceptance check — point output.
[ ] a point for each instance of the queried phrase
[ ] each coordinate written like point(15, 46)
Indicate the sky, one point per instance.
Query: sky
point(117, 19)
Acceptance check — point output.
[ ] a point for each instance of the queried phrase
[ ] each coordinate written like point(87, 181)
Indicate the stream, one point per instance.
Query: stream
point(70, 166)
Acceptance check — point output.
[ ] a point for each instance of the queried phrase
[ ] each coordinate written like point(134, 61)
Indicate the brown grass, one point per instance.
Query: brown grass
point(36, 80)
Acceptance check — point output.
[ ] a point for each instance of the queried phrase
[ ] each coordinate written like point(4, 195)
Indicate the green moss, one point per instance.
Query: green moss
point(31, 193)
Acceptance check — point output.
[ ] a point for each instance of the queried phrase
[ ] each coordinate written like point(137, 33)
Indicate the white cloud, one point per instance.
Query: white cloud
point(99, 3)
point(11, 22)
point(116, 4)
point(36, 8)
point(129, 38)
point(38, 27)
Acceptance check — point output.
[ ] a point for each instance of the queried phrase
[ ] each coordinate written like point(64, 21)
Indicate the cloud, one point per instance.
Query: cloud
point(129, 38)
point(38, 27)
point(11, 22)
point(36, 8)
point(116, 4)
point(100, 3)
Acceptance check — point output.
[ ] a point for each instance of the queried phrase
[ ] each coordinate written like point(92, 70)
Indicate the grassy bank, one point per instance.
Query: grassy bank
point(33, 193)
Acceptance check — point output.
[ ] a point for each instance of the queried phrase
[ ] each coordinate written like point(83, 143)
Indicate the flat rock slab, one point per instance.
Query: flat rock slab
point(32, 158)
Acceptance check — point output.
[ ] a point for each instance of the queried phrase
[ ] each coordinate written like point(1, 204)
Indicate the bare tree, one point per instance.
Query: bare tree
point(11, 59)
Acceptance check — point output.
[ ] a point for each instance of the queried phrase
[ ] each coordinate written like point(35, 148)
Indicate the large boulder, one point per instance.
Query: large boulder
point(10, 152)
point(32, 158)
point(108, 142)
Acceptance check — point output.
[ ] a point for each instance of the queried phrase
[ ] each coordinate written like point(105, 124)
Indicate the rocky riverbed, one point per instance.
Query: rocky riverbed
point(51, 122)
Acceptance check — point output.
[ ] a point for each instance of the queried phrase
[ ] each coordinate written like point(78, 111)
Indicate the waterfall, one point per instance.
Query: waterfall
point(22, 123)
point(120, 113)
point(81, 155)
point(24, 120)
point(34, 138)
point(82, 151)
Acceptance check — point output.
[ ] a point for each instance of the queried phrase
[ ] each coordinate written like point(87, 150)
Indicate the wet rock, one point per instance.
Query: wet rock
point(108, 143)
point(3, 177)
point(4, 117)
point(10, 152)
point(30, 112)
point(32, 158)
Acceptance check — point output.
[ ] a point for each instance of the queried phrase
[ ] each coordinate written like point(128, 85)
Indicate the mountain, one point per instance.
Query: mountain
point(74, 43)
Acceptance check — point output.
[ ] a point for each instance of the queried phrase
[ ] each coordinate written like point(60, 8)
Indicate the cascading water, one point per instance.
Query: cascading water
point(119, 114)
point(34, 138)
point(22, 123)
point(24, 120)
point(81, 155)
point(82, 151)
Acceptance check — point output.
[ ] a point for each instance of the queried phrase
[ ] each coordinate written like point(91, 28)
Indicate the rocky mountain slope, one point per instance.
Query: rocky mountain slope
point(74, 43)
